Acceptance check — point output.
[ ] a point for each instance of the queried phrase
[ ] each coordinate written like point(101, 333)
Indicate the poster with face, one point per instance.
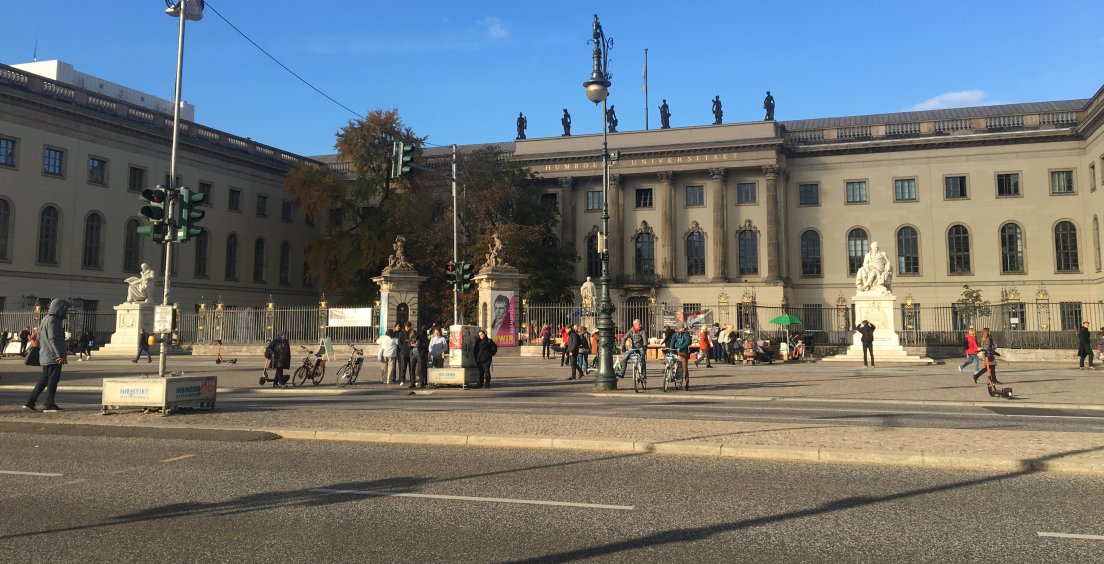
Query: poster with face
point(503, 327)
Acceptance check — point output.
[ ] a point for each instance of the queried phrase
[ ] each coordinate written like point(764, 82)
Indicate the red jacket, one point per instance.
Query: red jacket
point(703, 339)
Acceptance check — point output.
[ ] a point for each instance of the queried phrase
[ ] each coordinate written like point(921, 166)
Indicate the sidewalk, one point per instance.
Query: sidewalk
point(1001, 450)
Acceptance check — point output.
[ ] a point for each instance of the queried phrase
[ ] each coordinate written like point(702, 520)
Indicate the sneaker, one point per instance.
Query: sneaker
point(52, 409)
point(135, 361)
point(29, 407)
point(960, 370)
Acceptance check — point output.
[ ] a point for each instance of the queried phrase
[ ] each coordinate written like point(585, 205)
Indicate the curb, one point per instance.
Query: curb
point(327, 391)
point(781, 399)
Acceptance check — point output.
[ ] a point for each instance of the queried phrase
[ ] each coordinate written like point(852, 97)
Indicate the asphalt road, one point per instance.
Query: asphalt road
point(85, 499)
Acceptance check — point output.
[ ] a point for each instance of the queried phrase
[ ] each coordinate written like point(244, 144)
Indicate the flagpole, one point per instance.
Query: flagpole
point(645, 89)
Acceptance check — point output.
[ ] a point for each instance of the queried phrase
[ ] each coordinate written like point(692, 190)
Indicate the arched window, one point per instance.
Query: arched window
point(259, 260)
point(908, 251)
point(48, 225)
point(1065, 247)
point(748, 248)
point(132, 247)
point(92, 255)
point(695, 254)
point(5, 230)
point(1096, 243)
point(201, 242)
point(810, 253)
point(1012, 248)
point(285, 263)
point(644, 256)
point(958, 249)
point(232, 257)
point(858, 244)
point(593, 259)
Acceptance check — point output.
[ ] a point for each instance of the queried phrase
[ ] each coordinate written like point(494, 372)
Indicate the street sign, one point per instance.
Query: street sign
point(162, 319)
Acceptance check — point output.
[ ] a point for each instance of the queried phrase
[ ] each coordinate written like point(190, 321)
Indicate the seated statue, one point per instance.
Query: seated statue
point(876, 273)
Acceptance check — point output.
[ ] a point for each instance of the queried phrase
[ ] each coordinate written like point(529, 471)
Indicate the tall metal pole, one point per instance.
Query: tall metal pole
point(646, 89)
point(171, 192)
point(455, 243)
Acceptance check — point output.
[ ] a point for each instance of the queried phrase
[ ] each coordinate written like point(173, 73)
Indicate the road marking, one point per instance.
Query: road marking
point(175, 458)
point(43, 474)
point(1071, 536)
point(484, 499)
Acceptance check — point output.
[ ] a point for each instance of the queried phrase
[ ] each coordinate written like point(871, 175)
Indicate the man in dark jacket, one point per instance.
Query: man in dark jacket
point(546, 342)
point(419, 358)
point(143, 346)
point(281, 359)
point(402, 341)
point(1084, 346)
point(572, 346)
point(484, 351)
point(52, 353)
point(24, 337)
point(866, 330)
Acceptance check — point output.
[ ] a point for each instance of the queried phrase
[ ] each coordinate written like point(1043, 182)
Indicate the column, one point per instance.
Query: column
point(667, 236)
point(719, 241)
point(617, 235)
point(773, 249)
point(567, 213)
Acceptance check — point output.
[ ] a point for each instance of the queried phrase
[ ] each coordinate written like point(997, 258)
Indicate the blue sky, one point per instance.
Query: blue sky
point(459, 72)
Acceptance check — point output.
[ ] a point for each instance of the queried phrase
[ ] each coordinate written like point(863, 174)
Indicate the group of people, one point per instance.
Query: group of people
point(24, 336)
point(404, 353)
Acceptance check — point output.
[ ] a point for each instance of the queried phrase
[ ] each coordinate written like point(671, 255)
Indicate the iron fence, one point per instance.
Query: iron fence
point(259, 325)
point(100, 323)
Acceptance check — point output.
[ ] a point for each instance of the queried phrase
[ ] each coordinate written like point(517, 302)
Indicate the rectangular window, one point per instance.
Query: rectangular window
point(746, 193)
point(262, 205)
point(53, 161)
point(285, 210)
point(136, 179)
point(1008, 184)
point(1061, 182)
point(856, 192)
point(594, 200)
point(644, 198)
point(695, 196)
point(7, 152)
point(234, 195)
point(904, 189)
point(954, 187)
point(1071, 315)
point(97, 171)
point(808, 194)
point(207, 189)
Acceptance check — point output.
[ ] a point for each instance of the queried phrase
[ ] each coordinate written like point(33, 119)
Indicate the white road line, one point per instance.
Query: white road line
point(1071, 536)
point(175, 458)
point(43, 474)
point(484, 499)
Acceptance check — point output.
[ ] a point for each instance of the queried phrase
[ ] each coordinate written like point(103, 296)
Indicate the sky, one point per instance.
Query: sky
point(460, 72)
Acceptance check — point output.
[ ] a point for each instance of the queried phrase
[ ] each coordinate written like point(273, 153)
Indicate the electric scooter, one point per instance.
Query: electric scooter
point(218, 355)
point(994, 391)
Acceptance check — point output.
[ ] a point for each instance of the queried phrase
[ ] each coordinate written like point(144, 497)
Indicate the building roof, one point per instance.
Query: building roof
point(936, 115)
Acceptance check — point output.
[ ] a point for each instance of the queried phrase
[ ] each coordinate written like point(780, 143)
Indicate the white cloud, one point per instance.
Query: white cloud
point(494, 28)
point(959, 99)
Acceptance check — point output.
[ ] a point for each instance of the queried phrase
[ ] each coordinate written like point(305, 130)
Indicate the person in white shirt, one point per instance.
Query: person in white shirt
point(437, 347)
point(388, 357)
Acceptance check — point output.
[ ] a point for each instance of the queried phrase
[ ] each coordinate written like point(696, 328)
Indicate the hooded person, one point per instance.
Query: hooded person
point(51, 355)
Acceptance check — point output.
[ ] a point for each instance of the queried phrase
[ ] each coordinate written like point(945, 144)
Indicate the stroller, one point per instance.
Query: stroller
point(764, 352)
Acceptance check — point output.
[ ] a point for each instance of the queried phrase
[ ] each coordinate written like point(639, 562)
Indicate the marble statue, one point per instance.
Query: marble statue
point(138, 286)
point(494, 259)
point(397, 261)
point(664, 116)
point(588, 292)
point(876, 273)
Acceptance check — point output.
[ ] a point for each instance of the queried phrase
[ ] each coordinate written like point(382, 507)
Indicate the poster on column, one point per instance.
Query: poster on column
point(503, 326)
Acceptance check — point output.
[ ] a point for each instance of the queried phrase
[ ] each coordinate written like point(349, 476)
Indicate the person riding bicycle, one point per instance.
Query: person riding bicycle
point(638, 341)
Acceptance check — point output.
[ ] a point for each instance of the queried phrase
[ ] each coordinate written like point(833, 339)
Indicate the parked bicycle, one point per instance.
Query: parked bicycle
point(348, 373)
point(313, 368)
point(672, 368)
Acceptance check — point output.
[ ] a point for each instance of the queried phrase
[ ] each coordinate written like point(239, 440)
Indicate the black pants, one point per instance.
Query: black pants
point(574, 360)
point(400, 363)
point(868, 347)
point(141, 350)
point(51, 374)
point(280, 380)
point(546, 348)
point(1083, 354)
point(419, 371)
point(412, 367)
point(484, 373)
point(22, 348)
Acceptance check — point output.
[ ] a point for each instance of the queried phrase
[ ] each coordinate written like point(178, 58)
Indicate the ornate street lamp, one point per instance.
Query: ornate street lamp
point(597, 90)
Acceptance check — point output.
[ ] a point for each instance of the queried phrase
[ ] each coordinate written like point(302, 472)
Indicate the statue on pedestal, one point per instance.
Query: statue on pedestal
point(493, 258)
point(768, 104)
point(611, 119)
point(138, 286)
point(876, 274)
point(718, 113)
point(664, 116)
point(589, 293)
point(565, 121)
point(397, 261)
point(522, 123)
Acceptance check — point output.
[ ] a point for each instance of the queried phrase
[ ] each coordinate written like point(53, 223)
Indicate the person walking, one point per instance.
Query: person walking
point(281, 359)
point(705, 347)
point(565, 334)
point(1084, 346)
point(32, 349)
point(594, 347)
point(484, 351)
point(24, 337)
point(143, 346)
point(971, 348)
point(420, 375)
point(386, 355)
point(987, 347)
point(714, 338)
point(4, 338)
point(866, 329)
point(680, 342)
point(546, 342)
point(412, 359)
point(84, 345)
point(574, 344)
point(402, 352)
point(52, 355)
point(438, 345)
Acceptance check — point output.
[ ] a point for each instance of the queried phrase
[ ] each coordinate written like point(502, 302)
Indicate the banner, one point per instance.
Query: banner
point(503, 314)
point(350, 317)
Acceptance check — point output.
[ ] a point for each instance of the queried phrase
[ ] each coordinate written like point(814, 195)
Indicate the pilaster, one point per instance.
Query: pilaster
point(719, 242)
point(667, 238)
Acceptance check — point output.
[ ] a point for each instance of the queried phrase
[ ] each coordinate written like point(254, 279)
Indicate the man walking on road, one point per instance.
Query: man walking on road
point(52, 353)
point(571, 347)
point(24, 337)
point(867, 331)
point(143, 346)
point(1084, 346)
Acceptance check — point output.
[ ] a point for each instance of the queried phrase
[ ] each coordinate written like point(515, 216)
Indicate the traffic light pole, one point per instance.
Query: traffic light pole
point(455, 244)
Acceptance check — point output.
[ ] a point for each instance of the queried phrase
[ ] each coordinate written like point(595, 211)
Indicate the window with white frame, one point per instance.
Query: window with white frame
point(1061, 182)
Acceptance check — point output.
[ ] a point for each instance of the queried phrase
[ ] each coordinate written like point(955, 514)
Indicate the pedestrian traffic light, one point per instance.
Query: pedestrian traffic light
point(190, 214)
point(450, 273)
point(153, 210)
point(402, 158)
point(466, 274)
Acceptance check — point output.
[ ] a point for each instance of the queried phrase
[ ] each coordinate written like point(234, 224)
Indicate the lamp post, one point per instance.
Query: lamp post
point(597, 90)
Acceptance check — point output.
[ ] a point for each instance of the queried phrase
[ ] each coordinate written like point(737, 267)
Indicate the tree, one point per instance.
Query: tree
point(973, 306)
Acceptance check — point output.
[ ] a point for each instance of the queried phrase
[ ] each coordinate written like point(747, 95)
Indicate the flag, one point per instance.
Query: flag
point(645, 71)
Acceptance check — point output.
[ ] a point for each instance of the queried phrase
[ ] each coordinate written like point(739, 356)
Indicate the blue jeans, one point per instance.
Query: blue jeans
point(640, 355)
point(971, 358)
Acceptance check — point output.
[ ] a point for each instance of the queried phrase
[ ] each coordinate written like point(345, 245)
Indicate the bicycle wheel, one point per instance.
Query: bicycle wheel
point(317, 374)
point(344, 375)
point(355, 372)
point(299, 377)
point(668, 376)
point(637, 382)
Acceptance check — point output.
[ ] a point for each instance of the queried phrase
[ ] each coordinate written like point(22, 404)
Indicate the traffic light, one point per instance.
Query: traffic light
point(154, 210)
point(190, 214)
point(466, 274)
point(450, 273)
point(402, 157)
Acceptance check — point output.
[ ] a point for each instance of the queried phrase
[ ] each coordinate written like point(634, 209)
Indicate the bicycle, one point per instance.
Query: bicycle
point(314, 369)
point(671, 366)
point(348, 373)
point(640, 380)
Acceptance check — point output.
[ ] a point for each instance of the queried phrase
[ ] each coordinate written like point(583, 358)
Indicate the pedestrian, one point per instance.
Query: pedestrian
point(32, 349)
point(386, 355)
point(584, 350)
point(4, 342)
point(438, 345)
point(52, 355)
point(546, 342)
point(574, 344)
point(84, 345)
point(733, 345)
point(969, 344)
point(594, 347)
point(1100, 344)
point(714, 338)
point(866, 329)
point(1084, 346)
point(24, 337)
point(680, 342)
point(987, 347)
point(721, 344)
point(280, 359)
point(412, 360)
point(705, 347)
point(565, 333)
point(484, 351)
point(421, 359)
point(402, 352)
point(143, 346)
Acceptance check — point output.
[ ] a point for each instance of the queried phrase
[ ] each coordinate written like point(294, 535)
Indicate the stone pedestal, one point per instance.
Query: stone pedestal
point(880, 311)
point(398, 297)
point(499, 297)
point(129, 321)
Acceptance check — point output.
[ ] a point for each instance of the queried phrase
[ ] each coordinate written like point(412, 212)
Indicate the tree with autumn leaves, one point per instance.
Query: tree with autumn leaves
point(361, 211)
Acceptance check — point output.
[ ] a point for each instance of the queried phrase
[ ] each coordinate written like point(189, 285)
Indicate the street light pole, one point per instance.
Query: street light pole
point(597, 90)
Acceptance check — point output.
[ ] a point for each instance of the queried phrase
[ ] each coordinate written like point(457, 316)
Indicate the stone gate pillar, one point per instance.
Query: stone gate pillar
point(399, 284)
point(499, 287)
